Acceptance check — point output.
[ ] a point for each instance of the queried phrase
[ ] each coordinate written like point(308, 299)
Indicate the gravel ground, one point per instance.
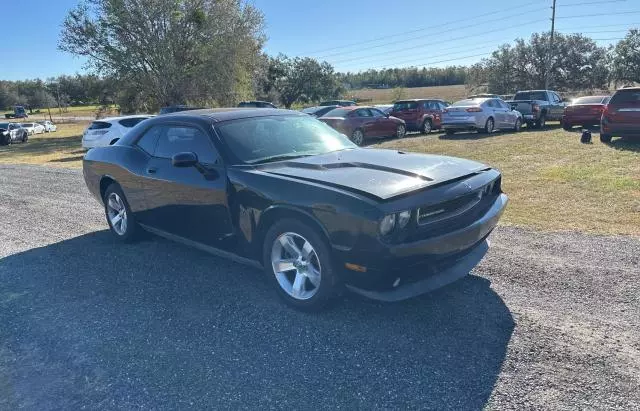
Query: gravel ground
point(547, 321)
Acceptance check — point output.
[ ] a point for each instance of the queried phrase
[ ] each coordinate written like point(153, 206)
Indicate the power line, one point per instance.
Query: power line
point(436, 62)
point(475, 18)
point(599, 15)
point(431, 34)
point(431, 44)
point(586, 3)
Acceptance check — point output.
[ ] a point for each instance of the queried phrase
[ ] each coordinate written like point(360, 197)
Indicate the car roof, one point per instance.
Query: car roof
point(233, 113)
point(108, 119)
point(635, 88)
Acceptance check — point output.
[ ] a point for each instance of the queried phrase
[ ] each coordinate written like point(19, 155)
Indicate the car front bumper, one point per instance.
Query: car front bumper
point(397, 272)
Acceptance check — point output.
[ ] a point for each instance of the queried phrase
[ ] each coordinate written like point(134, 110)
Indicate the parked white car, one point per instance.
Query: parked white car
point(106, 131)
point(48, 126)
point(33, 128)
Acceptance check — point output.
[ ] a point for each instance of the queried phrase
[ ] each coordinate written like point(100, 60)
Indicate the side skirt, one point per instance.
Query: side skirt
point(203, 247)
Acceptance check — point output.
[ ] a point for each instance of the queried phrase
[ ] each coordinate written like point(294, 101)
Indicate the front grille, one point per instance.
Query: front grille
point(448, 209)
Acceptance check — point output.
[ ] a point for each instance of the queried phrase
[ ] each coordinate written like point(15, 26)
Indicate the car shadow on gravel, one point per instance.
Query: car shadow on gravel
point(90, 323)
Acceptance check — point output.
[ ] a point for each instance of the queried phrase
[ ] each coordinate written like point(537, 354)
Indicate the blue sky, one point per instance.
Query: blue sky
point(350, 34)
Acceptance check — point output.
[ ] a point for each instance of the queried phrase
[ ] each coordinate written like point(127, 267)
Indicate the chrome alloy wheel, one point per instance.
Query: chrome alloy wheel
point(296, 266)
point(117, 213)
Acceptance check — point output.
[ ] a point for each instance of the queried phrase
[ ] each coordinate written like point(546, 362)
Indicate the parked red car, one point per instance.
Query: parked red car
point(621, 117)
point(359, 123)
point(584, 111)
point(419, 114)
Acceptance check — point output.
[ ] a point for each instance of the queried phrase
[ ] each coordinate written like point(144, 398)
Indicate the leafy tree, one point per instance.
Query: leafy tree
point(300, 80)
point(169, 51)
point(625, 59)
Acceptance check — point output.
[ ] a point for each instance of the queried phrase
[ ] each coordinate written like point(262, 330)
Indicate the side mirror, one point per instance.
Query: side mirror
point(186, 159)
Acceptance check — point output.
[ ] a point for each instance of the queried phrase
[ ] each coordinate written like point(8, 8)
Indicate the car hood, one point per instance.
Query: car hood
point(382, 174)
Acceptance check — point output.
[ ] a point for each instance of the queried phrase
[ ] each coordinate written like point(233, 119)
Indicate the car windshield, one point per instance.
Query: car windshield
point(589, 100)
point(530, 95)
point(405, 105)
point(272, 138)
point(312, 110)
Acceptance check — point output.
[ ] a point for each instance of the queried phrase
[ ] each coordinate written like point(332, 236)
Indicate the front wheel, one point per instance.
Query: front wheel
point(357, 137)
point(298, 260)
point(119, 216)
point(401, 131)
point(25, 137)
point(518, 126)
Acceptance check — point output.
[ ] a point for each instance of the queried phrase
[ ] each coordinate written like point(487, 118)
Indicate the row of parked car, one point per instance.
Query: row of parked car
point(484, 113)
point(20, 132)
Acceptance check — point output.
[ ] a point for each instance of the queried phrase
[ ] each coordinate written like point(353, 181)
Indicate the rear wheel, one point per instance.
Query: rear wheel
point(119, 216)
point(298, 260)
point(401, 131)
point(605, 138)
point(427, 126)
point(5, 140)
point(542, 121)
point(567, 127)
point(357, 137)
point(489, 126)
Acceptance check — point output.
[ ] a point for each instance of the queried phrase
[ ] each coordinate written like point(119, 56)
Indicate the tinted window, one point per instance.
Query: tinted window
point(130, 122)
point(149, 139)
point(98, 125)
point(589, 100)
point(258, 139)
point(531, 95)
point(626, 97)
point(376, 113)
point(363, 113)
point(405, 105)
point(180, 139)
point(338, 112)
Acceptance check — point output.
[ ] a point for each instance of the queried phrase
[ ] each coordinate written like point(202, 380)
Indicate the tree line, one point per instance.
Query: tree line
point(146, 55)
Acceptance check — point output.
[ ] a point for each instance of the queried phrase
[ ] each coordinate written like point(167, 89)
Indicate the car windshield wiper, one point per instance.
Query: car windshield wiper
point(279, 157)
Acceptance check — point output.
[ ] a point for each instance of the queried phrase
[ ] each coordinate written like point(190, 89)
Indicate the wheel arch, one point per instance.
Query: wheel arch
point(105, 182)
point(275, 213)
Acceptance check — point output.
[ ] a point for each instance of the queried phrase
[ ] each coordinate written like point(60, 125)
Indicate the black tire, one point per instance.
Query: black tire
point(518, 126)
point(5, 140)
point(25, 137)
point(449, 132)
point(605, 138)
point(567, 127)
point(327, 288)
point(132, 230)
point(542, 121)
point(530, 124)
point(357, 137)
point(427, 126)
point(489, 126)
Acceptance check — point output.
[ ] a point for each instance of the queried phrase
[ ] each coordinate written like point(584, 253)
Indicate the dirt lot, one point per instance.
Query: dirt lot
point(547, 321)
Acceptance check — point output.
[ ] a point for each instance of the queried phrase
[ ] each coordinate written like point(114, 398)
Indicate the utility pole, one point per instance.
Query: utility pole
point(547, 76)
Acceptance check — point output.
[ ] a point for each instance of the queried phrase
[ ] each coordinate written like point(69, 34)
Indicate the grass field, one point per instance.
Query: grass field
point(62, 148)
point(381, 96)
point(554, 181)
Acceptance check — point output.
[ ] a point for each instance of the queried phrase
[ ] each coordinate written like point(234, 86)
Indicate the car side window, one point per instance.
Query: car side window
point(180, 139)
point(149, 139)
point(376, 113)
point(363, 113)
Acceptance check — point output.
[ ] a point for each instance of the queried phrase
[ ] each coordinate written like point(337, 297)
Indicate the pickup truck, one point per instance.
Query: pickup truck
point(538, 106)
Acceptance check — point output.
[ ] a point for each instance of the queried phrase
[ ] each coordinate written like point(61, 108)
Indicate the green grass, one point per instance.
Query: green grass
point(62, 148)
point(554, 182)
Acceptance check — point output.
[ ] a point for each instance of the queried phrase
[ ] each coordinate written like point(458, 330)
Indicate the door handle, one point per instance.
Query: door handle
point(151, 170)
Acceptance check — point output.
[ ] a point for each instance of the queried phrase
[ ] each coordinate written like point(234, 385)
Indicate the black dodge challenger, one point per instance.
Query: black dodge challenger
point(281, 190)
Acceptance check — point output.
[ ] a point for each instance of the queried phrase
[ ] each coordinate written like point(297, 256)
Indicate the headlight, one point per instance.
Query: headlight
point(387, 224)
point(403, 218)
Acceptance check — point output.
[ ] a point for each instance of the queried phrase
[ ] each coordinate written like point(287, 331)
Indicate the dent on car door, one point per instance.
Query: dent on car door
point(190, 202)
